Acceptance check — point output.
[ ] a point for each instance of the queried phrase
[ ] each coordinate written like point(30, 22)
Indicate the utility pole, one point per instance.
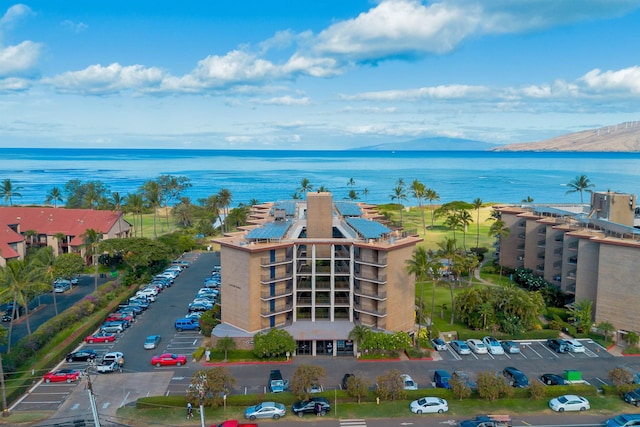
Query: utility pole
point(92, 401)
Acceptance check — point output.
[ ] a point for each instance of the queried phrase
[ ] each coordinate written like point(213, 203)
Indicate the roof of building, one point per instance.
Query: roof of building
point(8, 236)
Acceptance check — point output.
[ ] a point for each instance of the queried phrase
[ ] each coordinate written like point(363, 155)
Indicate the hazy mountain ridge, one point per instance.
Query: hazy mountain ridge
point(624, 137)
point(433, 144)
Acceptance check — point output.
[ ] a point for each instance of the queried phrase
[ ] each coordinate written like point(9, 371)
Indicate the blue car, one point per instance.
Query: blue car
point(460, 347)
point(624, 420)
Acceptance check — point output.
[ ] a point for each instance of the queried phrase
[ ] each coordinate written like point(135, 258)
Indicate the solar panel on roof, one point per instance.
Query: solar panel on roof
point(270, 230)
point(368, 229)
point(348, 209)
point(289, 207)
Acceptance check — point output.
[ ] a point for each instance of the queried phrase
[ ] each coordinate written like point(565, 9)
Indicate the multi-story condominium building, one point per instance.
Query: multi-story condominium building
point(316, 268)
point(592, 252)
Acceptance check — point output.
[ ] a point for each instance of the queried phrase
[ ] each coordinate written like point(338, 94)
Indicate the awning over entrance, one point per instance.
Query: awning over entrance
point(320, 330)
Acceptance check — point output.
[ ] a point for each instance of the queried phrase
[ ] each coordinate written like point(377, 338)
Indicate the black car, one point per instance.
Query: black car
point(632, 397)
point(309, 406)
point(81, 356)
point(515, 377)
point(558, 345)
point(553, 379)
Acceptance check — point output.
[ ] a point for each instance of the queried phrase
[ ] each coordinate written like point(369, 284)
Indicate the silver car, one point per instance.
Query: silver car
point(266, 410)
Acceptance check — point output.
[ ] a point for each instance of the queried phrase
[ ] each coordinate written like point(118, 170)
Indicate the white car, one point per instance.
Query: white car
point(574, 346)
point(477, 346)
point(409, 383)
point(569, 402)
point(149, 296)
point(493, 345)
point(429, 405)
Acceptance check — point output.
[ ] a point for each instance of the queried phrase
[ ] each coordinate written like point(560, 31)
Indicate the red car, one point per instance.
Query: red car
point(67, 375)
point(169, 359)
point(100, 337)
point(119, 316)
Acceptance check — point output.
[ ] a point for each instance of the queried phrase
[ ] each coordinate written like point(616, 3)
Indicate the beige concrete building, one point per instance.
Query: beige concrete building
point(316, 268)
point(590, 251)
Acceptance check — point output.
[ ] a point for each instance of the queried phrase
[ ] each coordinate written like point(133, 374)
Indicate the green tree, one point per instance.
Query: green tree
point(477, 204)
point(499, 231)
point(459, 386)
point(423, 267)
point(419, 192)
point(580, 184)
point(209, 387)
point(226, 344)
point(606, 328)
point(54, 196)
point(432, 196)
point(447, 250)
point(492, 387)
point(305, 377)
point(358, 334)
point(581, 313)
point(135, 206)
point(91, 240)
point(400, 194)
point(633, 339)
point(171, 187)
point(3, 341)
point(275, 343)
point(153, 196)
point(390, 385)
point(9, 191)
point(353, 195)
point(358, 386)
point(225, 198)
point(305, 186)
point(137, 252)
point(184, 212)
point(68, 266)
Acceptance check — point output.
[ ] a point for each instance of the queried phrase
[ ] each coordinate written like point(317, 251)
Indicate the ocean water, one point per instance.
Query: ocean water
point(275, 175)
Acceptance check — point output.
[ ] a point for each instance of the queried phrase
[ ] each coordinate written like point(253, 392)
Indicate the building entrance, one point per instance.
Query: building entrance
point(304, 348)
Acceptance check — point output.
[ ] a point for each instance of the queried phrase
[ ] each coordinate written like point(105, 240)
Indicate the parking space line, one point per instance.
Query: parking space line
point(529, 345)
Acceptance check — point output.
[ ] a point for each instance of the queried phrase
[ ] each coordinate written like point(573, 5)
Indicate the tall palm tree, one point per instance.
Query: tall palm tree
point(579, 184)
point(358, 334)
point(91, 240)
point(135, 205)
point(477, 204)
point(447, 250)
point(59, 236)
point(117, 201)
point(400, 195)
point(432, 196)
point(212, 207)
point(153, 196)
point(3, 340)
point(465, 220)
point(419, 191)
point(225, 198)
point(9, 191)
point(500, 231)
point(54, 196)
point(305, 186)
point(423, 267)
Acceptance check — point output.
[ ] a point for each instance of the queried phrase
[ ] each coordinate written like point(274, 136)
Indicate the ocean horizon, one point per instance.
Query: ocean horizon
point(270, 175)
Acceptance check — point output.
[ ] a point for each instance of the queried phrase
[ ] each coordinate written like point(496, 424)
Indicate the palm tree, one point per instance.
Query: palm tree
point(419, 191)
point(606, 328)
point(3, 340)
point(353, 195)
point(305, 186)
point(477, 204)
point(225, 344)
point(224, 198)
point(527, 199)
point(59, 236)
point(135, 205)
point(579, 184)
point(54, 196)
point(448, 251)
point(400, 195)
point(500, 231)
point(117, 201)
point(9, 191)
point(432, 196)
point(91, 239)
point(152, 194)
point(465, 220)
point(358, 334)
point(423, 267)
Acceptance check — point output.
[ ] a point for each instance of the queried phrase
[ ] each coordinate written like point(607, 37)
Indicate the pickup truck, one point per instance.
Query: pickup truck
point(234, 423)
point(488, 421)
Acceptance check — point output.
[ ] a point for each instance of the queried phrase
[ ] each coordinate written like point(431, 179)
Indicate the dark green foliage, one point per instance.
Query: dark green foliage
point(537, 390)
point(304, 377)
point(275, 343)
point(390, 385)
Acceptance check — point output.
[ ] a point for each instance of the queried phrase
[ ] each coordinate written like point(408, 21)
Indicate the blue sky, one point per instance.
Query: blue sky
point(331, 74)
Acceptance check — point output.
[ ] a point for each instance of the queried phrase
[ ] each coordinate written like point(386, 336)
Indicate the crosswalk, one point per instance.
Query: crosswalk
point(353, 423)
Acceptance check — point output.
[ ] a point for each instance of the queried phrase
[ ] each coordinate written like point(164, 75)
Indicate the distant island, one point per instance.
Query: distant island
point(623, 138)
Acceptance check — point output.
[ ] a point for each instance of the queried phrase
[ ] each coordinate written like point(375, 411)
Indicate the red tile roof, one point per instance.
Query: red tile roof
point(49, 221)
point(8, 236)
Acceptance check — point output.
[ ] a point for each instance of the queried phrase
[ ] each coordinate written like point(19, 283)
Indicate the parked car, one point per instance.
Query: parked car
point(106, 366)
point(112, 327)
point(493, 345)
point(477, 346)
point(204, 301)
point(439, 344)
point(149, 294)
point(265, 410)
point(309, 406)
point(558, 345)
point(575, 346)
point(61, 286)
point(81, 356)
point(152, 342)
point(113, 356)
point(441, 378)
point(136, 309)
point(408, 382)
point(185, 324)
point(114, 317)
point(463, 377)
point(62, 375)
point(460, 347)
point(552, 379)
point(199, 306)
point(623, 420)
point(569, 402)
point(194, 315)
point(632, 397)
point(429, 405)
point(169, 359)
point(100, 337)
point(515, 377)
point(510, 347)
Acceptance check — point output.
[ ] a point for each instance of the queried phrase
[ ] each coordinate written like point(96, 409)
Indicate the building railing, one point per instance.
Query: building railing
point(380, 278)
point(267, 278)
point(380, 261)
point(267, 261)
point(368, 310)
point(266, 312)
point(267, 295)
point(572, 260)
point(379, 295)
point(542, 243)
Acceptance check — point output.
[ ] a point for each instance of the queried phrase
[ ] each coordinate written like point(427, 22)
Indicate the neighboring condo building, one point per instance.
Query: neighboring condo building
point(316, 268)
point(592, 252)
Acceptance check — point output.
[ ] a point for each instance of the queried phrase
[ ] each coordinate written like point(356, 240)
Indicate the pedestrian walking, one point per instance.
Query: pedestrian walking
point(189, 411)
point(207, 355)
point(318, 409)
point(120, 363)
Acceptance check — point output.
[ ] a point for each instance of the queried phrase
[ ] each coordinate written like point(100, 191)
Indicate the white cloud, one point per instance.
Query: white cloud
point(14, 84)
point(236, 66)
point(624, 80)
point(99, 80)
point(436, 92)
point(19, 59)
point(14, 13)
point(285, 100)
point(73, 26)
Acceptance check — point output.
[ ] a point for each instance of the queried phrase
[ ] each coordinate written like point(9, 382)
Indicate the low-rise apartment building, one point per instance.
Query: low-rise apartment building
point(590, 251)
point(316, 268)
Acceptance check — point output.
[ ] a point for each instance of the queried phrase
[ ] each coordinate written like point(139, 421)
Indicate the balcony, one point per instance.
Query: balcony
point(558, 251)
point(267, 296)
point(559, 238)
point(268, 262)
point(380, 261)
point(540, 268)
point(522, 224)
point(268, 312)
point(369, 310)
point(572, 259)
point(541, 255)
point(573, 246)
point(542, 231)
point(522, 236)
point(380, 279)
point(377, 295)
point(542, 243)
point(267, 278)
